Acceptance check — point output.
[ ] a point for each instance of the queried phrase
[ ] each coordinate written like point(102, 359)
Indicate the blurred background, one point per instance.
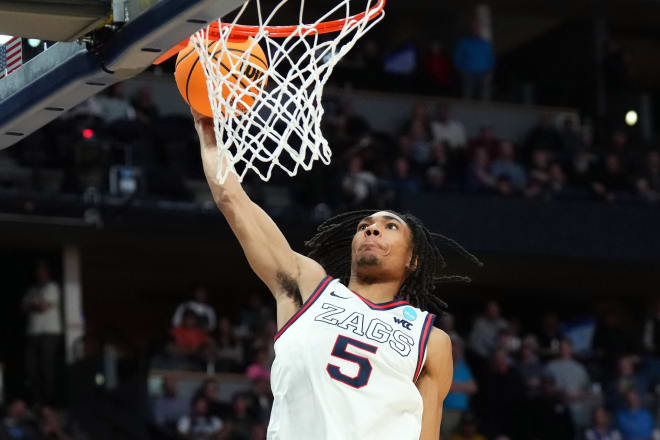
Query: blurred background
point(526, 131)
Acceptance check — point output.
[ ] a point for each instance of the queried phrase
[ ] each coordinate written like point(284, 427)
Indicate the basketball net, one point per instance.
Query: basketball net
point(283, 126)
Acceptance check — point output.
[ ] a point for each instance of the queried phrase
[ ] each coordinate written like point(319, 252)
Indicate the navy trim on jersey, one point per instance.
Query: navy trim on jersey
point(313, 297)
point(423, 341)
point(384, 305)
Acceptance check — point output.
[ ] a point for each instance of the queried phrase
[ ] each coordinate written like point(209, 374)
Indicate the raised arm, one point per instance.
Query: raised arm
point(284, 271)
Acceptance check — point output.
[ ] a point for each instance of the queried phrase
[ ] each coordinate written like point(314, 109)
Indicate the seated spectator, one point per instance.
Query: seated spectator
point(539, 174)
point(483, 337)
point(463, 386)
point(611, 183)
point(601, 427)
point(189, 340)
point(648, 181)
point(230, 353)
point(359, 185)
point(556, 181)
point(620, 147)
point(501, 395)
point(652, 330)
point(52, 427)
point(260, 398)
point(635, 422)
point(474, 59)
point(437, 167)
point(209, 390)
point(467, 429)
point(546, 416)
point(419, 137)
point(486, 139)
point(198, 304)
point(447, 130)
point(260, 367)
point(199, 424)
point(402, 179)
point(626, 380)
point(19, 423)
point(530, 367)
point(571, 138)
point(549, 337)
point(168, 408)
point(477, 176)
point(241, 420)
point(544, 136)
point(447, 324)
point(581, 168)
point(506, 165)
point(572, 381)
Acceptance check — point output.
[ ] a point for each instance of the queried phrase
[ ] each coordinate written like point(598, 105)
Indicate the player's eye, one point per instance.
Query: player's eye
point(362, 227)
point(392, 226)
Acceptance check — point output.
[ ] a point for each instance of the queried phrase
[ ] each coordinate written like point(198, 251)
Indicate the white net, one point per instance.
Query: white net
point(274, 120)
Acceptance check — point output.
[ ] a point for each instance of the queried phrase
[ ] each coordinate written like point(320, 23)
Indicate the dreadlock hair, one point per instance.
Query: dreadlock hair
point(331, 247)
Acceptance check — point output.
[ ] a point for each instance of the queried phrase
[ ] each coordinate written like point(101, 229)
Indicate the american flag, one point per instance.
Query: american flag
point(11, 56)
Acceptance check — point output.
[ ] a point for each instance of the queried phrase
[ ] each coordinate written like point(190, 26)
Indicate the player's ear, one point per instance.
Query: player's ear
point(412, 264)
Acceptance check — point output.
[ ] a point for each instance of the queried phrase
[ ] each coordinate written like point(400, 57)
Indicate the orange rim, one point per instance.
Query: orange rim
point(243, 31)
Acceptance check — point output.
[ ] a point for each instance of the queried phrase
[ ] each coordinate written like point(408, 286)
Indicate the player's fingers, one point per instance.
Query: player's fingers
point(197, 116)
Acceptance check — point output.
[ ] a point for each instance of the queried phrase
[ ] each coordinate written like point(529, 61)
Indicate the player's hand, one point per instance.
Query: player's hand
point(207, 144)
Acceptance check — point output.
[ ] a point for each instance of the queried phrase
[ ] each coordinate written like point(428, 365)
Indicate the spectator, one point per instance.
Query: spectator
point(581, 168)
point(260, 367)
point(200, 306)
point(648, 182)
point(601, 427)
point(546, 416)
point(448, 130)
point(209, 390)
point(483, 337)
point(467, 429)
point(539, 174)
point(611, 183)
point(549, 337)
point(229, 353)
point(652, 331)
point(189, 340)
point(530, 367)
point(544, 136)
point(475, 61)
point(556, 181)
point(572, 381)
point(168, 408)
point(463, 386)
point(199, 424)
point(359, 185)
point(503, 392)
point(505, 165)
point(260, 398)
point(419, 136)
point(613, 337)
point(44, 332)
point(437, 67)
point(146, 110)
point(635, 422)
point(447, 324)
point(478, 177)
point(51, 426)
point(18, 423)
point(402, 180)
point(626, 380)
point(486, 139)
point(571, 138)
point(241, 419)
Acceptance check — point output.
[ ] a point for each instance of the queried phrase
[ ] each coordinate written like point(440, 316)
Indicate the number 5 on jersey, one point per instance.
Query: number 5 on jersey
point(364, 366)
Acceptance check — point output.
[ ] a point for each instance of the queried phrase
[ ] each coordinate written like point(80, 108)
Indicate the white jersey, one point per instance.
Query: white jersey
point(345, 368)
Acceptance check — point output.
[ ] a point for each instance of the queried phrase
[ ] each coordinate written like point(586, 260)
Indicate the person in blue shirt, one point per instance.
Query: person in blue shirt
point(634, 422)
point(463, 386)
point(475, 61)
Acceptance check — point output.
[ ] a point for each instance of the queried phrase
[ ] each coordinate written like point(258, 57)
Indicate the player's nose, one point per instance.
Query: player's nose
point(372, 230)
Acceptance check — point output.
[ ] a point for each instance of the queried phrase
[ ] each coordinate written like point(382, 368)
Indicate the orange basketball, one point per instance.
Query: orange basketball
point(191, 79)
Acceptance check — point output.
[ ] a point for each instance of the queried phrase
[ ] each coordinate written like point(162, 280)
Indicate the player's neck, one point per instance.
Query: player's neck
point(376, 291)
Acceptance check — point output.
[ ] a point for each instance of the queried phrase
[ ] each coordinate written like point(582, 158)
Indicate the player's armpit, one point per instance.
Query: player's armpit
point(434, 382)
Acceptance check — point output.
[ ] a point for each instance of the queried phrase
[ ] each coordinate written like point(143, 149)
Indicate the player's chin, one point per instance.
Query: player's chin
point(368, 260)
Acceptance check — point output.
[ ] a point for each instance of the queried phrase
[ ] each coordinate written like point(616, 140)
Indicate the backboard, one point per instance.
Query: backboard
point(115, 40)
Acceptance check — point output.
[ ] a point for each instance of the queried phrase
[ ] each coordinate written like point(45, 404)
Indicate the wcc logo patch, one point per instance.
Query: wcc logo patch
point(410, 314)
point(405, 324)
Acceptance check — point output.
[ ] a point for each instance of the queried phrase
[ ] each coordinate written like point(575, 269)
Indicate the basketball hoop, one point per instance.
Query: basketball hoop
point(283, 126)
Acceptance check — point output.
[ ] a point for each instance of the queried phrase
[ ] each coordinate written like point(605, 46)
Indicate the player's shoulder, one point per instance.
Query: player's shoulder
point(439, 346)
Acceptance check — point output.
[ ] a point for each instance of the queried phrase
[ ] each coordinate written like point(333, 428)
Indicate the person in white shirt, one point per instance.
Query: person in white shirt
point(199, 305)
point(44, 331)
point(199, 425)
point(448, 130)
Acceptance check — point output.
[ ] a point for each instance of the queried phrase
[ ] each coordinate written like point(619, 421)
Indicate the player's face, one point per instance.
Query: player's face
point(382, 246)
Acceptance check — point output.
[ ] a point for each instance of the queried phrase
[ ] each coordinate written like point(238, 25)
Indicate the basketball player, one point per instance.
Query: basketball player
point(356, 356)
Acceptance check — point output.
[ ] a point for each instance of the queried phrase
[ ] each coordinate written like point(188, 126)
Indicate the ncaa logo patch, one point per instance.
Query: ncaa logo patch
point(409, 313)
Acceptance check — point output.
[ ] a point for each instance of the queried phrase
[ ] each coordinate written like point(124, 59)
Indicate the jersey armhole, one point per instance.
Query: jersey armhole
point(313, 297)
point(423, 342)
